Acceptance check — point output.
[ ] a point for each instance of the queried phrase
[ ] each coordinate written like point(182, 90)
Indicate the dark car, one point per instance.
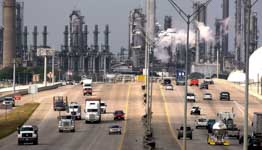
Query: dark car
point(189, 132)
point(203, 85)
point(225, 96)
point(119, 115)
point(166, 82)
point(210, 124)
point(195, 110)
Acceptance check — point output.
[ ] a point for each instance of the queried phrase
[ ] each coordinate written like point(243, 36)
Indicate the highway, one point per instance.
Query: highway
point(167, 117)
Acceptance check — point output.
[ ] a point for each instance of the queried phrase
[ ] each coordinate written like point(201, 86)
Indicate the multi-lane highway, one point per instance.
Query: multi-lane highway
point(167, 117)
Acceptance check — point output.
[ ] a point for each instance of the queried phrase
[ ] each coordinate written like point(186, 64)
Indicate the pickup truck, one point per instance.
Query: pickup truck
point(27, 134)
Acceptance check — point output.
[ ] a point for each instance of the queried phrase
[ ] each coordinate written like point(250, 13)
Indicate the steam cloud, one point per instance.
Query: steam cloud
point(172, 37)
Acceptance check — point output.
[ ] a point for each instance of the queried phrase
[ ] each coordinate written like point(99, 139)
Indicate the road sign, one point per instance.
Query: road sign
point(45, 52)
point(33, 89)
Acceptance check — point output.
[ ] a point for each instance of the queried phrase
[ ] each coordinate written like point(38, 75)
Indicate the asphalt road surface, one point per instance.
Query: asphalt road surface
point(167, 117)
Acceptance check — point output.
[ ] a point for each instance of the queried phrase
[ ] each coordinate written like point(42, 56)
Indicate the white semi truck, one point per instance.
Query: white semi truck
point(92, 109)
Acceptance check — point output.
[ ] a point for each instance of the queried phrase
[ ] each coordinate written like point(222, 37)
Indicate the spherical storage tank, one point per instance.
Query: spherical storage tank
point(255, 65)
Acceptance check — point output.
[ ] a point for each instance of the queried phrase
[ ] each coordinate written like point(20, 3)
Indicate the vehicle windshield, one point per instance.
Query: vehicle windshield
point(91, 110)
point(202, 120)
point(119, 112)
point(8, 99)
point(102, 104)
point(187, 128)
point(66, 123)
point(72, 107)
point(26, 129)
point(190, 94)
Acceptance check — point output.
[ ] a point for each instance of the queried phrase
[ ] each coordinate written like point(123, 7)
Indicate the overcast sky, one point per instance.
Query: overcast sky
point(55, 14)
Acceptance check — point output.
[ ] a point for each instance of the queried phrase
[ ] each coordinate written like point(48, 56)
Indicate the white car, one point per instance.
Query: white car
point(169, 87)
point(207, 96)
point(201, 122)
point(191, 97)
point(115, 129)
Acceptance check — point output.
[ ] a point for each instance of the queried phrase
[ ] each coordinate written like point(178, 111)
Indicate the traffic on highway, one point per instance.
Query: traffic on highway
point(110, 117)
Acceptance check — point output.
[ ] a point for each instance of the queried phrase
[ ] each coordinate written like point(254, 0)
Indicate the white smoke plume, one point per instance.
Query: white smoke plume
point(171, 38)
point(206, 33)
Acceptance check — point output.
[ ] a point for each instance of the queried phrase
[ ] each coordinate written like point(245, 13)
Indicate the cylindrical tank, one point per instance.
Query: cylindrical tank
point(9, 22)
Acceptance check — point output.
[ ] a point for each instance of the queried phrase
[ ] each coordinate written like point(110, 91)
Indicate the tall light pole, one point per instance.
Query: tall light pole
point(45, 64)
point(53, 68)
point(188, 18)
point(247, 10)
point(150, 35)
point(14, 75)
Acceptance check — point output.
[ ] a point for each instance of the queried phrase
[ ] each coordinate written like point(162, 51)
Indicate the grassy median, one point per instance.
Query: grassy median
point(17, 117)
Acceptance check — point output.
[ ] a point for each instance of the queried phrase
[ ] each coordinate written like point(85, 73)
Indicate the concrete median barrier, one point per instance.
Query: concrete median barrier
point(25, 91)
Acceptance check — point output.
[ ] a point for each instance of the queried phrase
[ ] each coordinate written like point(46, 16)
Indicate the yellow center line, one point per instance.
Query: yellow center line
point(125, 122)
point(168, 119)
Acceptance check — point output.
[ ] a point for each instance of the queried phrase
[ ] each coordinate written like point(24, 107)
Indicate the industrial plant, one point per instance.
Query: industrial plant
point(78, 56)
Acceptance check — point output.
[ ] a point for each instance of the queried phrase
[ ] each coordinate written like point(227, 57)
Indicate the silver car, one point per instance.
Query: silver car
point(207, 96)
point(115, 129)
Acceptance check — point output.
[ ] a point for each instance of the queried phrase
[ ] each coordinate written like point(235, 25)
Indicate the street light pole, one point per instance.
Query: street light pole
point(186, 88)
point(247, 48)
point(14, 76)
point(53, 69)
point(187, 18)
point(45, 57)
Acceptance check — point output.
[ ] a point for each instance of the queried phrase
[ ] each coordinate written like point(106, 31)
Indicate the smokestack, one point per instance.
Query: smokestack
point(45, 37)
point(224, 34)
point(167, 22)
point(9, 21)
point(85, 37)
point(66, 38)
point(96, 32)
point(107, 37)
point(35, 33)
point(25, 39)
point(239, 55)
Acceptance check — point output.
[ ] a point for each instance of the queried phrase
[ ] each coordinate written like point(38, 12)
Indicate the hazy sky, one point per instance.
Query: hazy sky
point(55, 14)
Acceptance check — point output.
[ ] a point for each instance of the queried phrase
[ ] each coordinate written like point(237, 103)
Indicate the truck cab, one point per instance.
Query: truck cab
point(103, 107)
point(27, 134)
point(92, 109)
point(66, 123)
point(75, 110)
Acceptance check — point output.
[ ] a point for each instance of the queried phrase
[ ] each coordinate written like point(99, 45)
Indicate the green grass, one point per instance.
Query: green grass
point(15, 118)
